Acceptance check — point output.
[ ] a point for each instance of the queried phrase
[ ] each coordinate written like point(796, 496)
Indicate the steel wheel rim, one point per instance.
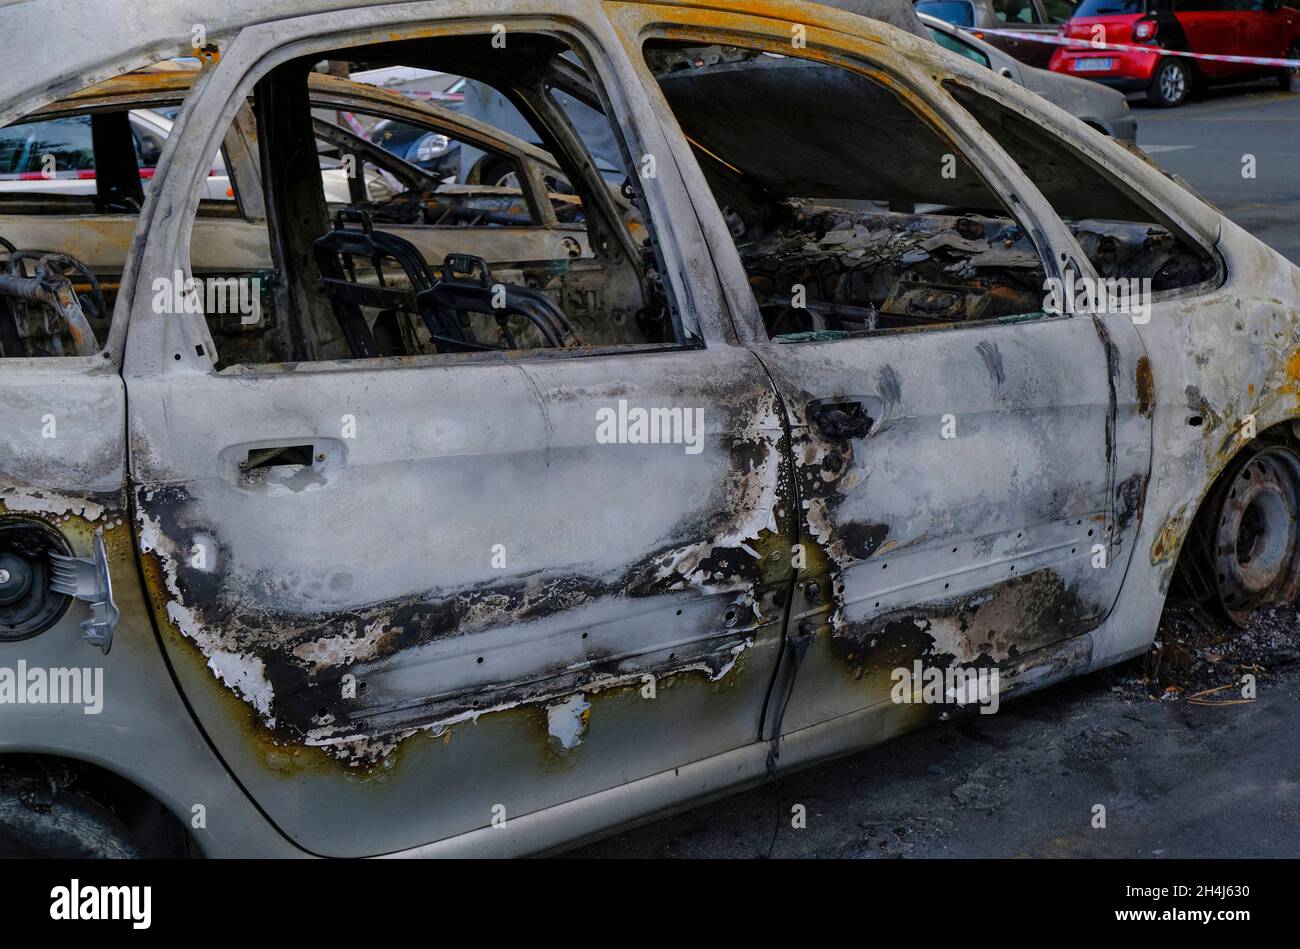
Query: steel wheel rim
point(1257, 534)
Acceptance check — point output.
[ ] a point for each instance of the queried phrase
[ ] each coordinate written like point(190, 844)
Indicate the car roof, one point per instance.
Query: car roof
point(55, 47)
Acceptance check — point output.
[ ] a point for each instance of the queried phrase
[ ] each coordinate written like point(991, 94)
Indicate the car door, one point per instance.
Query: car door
point(968, 493)
point(1213, 26)
point(547, 237)
point(419, 597)
point(1264, 30)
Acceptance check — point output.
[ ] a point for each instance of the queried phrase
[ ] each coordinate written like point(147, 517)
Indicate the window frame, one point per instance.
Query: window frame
point(887, 65)
point(182, 342)
point(85, 104)
point(1099, 160)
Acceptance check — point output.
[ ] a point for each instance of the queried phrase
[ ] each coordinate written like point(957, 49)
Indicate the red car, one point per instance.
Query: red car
point(1260, 28)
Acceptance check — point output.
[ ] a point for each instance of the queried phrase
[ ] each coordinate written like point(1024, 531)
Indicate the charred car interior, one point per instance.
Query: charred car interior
point(350, 287)
point(838, 187)
point(398, 259)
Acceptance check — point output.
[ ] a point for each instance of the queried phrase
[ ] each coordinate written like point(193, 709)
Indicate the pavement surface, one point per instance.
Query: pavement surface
point(1207, 142)
point(1177, 778)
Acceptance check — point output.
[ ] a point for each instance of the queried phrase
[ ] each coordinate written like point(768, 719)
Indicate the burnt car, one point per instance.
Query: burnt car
point(1018, 27)
point(359, 541)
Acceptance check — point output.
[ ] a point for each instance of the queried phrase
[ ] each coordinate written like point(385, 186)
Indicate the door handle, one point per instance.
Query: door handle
point(305, 463)
point(277, 456)
point(840, 420)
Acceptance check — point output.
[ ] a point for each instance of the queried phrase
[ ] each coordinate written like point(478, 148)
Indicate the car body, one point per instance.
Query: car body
point(414, 600)
point(1109, 113)
point(1254, 28)
point(431, 151)
point(1028, 17)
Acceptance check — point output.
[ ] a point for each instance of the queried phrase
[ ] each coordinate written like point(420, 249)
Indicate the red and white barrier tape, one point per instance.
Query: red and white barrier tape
point(1086, 45)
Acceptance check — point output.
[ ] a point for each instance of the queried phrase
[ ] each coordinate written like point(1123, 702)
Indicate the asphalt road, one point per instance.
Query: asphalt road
point(1207, 143)
point(1177, 779)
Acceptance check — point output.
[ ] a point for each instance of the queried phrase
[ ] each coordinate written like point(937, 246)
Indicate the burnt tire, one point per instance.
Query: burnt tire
point(498, 173)
point(1171, 84)
point(1249, 534)
point(36, 823)
point(1289, 79)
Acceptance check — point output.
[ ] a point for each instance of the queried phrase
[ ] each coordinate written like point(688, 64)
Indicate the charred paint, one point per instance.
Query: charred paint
point(289, 668)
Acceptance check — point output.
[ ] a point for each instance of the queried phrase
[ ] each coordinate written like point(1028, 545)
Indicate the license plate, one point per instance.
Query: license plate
point(1093, 65)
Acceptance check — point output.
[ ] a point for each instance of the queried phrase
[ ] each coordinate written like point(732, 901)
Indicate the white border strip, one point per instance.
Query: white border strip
point(1082, 45)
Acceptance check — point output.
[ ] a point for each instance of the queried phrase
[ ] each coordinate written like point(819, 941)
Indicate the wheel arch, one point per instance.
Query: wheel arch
point(1171, 542)
point(154, 826)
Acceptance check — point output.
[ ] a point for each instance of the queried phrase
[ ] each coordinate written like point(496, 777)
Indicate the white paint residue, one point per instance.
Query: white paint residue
point(247, 676)
point(342, 650)
point(33, 501)
point(566, 721)
point(735, 654)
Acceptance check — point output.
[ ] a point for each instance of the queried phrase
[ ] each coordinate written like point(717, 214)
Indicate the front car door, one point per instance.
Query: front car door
point(424, 596)
point(969, 467)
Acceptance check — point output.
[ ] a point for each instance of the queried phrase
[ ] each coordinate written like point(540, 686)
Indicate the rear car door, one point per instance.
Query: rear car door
point(423, 596)
point(968, 471)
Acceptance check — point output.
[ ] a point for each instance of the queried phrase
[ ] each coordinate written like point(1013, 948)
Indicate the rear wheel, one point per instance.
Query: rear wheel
point(1171, 84)
point(35, 823)
point(1289, 79)
point(499, 174)
point(1248, 537)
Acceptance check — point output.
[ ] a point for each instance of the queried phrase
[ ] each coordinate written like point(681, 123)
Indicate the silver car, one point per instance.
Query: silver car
point(1104, 109)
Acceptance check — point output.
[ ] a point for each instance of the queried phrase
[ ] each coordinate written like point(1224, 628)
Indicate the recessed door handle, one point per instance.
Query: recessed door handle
point(277, 456)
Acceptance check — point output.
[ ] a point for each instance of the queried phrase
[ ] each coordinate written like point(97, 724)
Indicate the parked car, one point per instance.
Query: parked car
point(1259, 28)
point(66, 139)
point(1108, 112)
point(432, 151)
point(501, 549)
point(24, 148)
point(1028, 17)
